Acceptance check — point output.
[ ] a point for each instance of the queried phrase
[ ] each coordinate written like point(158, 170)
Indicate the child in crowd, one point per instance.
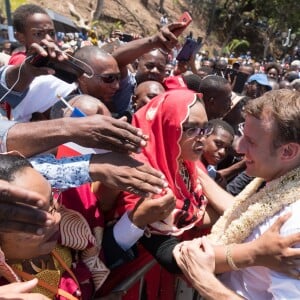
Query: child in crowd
point(216, 147)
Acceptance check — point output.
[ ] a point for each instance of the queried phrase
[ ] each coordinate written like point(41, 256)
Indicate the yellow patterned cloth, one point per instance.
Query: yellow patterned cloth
point(52, 277)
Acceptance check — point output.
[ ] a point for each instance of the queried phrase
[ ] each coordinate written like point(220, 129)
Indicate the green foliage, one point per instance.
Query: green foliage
point(236, 45)
point(107, 28)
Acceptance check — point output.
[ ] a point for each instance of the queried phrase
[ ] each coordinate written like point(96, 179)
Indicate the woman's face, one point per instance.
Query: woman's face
point(19, 246)
point(216, 146)
point(190, 143)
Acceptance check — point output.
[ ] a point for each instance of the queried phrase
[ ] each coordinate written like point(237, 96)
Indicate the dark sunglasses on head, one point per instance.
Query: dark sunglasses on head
point(108, 78)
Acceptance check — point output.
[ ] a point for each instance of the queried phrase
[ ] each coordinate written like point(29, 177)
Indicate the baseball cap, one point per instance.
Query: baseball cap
point(261, 79)
point(296, 63)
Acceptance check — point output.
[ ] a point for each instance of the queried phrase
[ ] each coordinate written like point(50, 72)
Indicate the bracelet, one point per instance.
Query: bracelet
point(229, 258)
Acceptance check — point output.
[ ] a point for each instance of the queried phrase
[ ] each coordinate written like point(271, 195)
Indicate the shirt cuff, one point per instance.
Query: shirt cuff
point(126, 233)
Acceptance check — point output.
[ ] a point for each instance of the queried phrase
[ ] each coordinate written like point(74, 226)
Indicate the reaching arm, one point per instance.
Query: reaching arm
point(232, 170)
point(95, 131)
point(197, 262)
point(116, 170)
point(128, 52)
point(270, 250)
point(218, 198)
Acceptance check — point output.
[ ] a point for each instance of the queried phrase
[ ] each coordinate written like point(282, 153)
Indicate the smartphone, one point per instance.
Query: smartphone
point(67, 70)
point(190, 48)
point(185, 18)
point(187, 50)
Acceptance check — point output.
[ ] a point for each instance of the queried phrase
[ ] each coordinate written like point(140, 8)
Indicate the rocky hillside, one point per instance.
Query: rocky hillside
point(128, 15)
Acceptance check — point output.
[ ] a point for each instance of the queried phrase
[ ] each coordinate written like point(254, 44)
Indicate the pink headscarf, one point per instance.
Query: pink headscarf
point(161, 119)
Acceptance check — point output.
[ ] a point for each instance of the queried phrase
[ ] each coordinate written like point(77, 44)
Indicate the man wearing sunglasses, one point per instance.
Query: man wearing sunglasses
point(102, 77)
point(101, 80)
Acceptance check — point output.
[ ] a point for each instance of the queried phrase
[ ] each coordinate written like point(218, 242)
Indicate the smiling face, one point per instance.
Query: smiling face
point(216, 146)
point(191, 145)
point(31, 245)
point(262, 158)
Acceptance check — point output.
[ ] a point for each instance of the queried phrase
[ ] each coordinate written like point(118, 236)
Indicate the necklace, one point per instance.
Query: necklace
point(250, 208)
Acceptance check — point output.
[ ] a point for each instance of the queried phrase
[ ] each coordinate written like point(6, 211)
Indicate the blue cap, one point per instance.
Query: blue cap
point(261, 79)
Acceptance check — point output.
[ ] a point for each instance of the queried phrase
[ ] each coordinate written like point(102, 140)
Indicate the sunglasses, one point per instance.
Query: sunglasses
point(198, 131)
point(108, 78)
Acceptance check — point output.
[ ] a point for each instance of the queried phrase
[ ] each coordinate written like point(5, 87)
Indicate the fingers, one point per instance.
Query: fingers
point(125, 173)
point(37, 49)
point(166, 37)
point(21, 291)
point(207, 247)
point(108, 133)
point(15, 226)
point(22, 213)
point(146, 181)
point(118, 134)
point(23, 296)
point(166, 204)
point(177, 253)
point(177, 28)
point(120, 144)
point(19, 287)
point(52, 49)
point(11, 193)
point(280, 221)
point(129, 133)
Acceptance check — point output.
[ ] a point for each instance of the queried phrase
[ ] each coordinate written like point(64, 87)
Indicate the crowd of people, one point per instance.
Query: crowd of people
point(112, 156)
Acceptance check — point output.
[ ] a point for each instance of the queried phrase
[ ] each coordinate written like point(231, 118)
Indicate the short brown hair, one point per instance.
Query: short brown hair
point(284, 107)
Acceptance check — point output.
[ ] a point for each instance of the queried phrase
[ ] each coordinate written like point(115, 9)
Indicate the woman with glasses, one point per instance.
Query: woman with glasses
point(175, 122)
point(63, 257)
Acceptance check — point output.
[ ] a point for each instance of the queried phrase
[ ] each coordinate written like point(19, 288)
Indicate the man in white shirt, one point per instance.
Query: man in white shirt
point(271, 144)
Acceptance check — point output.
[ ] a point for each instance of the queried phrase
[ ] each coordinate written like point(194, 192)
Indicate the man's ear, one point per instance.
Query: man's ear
point(82, 82)
point(290, 151)
point(20, 37)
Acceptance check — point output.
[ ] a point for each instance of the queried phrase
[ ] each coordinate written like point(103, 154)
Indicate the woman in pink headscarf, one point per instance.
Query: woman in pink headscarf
point(175, 122)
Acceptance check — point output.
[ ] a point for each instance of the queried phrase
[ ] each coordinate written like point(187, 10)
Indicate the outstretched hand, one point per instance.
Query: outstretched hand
point(22, 210)
point(165, 38)
point(196, 259)
point(46, 47)
point(20, 291)
point(123, 172)
point(149, 210)
point(276, 251)
point(105, 132)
